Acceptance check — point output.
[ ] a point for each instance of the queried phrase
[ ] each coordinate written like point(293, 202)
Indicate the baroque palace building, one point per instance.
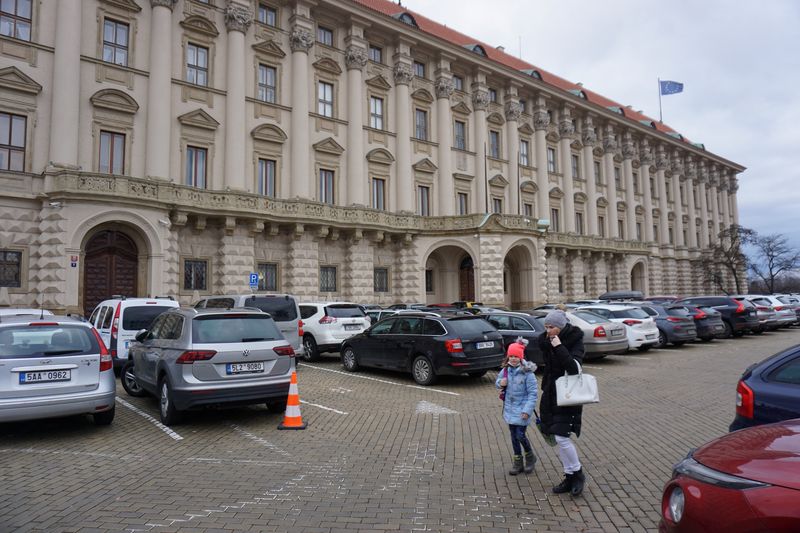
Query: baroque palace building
point(344, 149)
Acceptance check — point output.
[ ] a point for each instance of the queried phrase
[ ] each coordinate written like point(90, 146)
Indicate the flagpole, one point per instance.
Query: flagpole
point(660, 117)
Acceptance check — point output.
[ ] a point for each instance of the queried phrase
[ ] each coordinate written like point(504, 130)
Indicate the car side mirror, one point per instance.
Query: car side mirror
point(142, 335)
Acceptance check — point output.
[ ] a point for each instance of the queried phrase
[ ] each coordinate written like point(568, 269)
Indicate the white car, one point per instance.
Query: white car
point(327, 324)
point(641, 327)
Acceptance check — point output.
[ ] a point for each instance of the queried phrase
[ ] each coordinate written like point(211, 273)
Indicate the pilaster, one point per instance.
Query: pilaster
point(300, 41)
point(303, 278)
point(404, 182)
point(491, 269)
point(589, 139)
point(235, 258)
point(237, 19)
point(410, 277)
point(480, 102)
point(446, 193)
point(355, 188)
point(541, 121)
point(64, 118)
point(358, 272)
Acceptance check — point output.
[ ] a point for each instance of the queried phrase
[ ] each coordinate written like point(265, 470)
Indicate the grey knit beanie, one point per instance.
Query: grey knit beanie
point(556, 318)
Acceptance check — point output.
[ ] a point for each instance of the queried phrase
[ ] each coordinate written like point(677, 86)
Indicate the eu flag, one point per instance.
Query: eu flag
point(671, 87)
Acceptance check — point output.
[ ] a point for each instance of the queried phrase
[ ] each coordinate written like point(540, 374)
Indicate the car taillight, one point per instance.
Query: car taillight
point(454, 346)
point(35, 324)
point(700, 315)
point(599, 331)
point(284, 350)
point(327, 320)
point(190, 356)
point(300, 332)
point(631, 322)
point(106, 363)
point(762, 308)
point(674, 319)
point(778, 308)
point(744, 400)
point(739, 308)
point(115, 331)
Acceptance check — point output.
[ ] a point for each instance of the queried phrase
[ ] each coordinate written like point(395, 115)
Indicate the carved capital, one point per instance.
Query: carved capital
point(355, 58)
point(238, 17)
point(610, 143)
point(300, 40)
point(566, 129)
point(734, 185)
point(541, 119)
point(513, 110)
point(402, 74)
point(662, 160)
point(676, 166)
point(628, 150)
point(444, 87)
point(589, 134)
point(169, 4)
point(480, 100)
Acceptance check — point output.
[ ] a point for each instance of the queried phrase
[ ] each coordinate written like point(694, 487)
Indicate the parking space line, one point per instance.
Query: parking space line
point(260, 440)
point(323, 407)
point(636, 357)
point(593, 367)
point(155, 422)
point(350, 374)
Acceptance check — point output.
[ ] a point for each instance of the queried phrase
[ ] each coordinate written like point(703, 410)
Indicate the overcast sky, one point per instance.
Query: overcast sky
point(739, 61)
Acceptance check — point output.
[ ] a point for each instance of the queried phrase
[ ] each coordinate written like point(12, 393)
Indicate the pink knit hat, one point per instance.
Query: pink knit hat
point(516, 349)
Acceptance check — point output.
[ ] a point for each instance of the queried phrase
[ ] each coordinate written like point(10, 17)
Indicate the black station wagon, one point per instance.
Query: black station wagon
point(427, 346)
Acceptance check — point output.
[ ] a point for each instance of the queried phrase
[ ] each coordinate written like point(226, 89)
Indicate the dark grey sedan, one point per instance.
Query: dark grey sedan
point(674, 325)
point(514, 325)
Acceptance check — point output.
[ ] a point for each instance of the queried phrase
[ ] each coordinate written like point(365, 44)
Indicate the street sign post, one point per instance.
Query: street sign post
point(253, 280)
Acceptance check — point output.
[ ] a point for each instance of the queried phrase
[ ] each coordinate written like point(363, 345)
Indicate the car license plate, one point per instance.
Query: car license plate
point(482, 345)
point(351, 327)
point(616, 333)
point(653, 336)
point(45, 376)
point(244, 368)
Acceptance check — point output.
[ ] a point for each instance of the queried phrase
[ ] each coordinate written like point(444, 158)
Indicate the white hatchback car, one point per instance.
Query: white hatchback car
point(641, 327)
point(326, 325)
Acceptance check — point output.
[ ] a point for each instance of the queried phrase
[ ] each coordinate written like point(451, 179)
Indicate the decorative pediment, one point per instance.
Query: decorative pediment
point(127, 5)
point(602, 202)
point(114, 100)
point(617, 158)
point(381, 156)
point(529, 186)
point(198, 119)
point(525, 129)
point(329, 146)
point(552, 137)
point(498, 181)
point(496, 118)
point(461, 108)
point(463, 177)
point(639, 210)
point(198, 24)
point(379, 82)
point(16, 80)
point(598, 151)
point(268, 133)
point(671, 215)
point(622, 206)
point(576, 144)
point(556, 193)
point(685, 219)
point(269, 48)
point(636, 164)
point(580, 198)
point(425, 165)
point(422, 95)
point(327, 64)
point(656, 213)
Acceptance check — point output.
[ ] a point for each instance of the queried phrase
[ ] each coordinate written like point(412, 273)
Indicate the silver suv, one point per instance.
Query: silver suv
point(198, 357)
point(54, 366)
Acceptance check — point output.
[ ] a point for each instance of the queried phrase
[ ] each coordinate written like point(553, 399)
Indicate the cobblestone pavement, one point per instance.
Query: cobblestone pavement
point(379, 454)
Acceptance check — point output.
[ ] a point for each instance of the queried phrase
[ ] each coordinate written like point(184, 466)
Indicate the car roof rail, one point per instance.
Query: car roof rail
point(162, 297)
point(118, 297)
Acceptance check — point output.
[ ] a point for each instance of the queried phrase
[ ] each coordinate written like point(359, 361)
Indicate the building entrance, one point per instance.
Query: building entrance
point(110, 267)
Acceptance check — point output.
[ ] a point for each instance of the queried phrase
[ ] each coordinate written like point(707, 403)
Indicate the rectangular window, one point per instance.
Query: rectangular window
point(460, 135)
point(325, 99)
point(458, 83)
point(653, 192)
point(685, 240)
point(376, 112)
point(494, 144)
point(656, 235)
point(463, 203)
point(267, 276)
point(195, 275)
point(680, 189)
point(554, 226)
point(326, 186)
point(620, 229)
point(196, 166)
point(668, 188)
point(115, 42)
point(12, 142)
point(576, 166)
point(585, 284)
point(579, 223)
point(601, 226)
point(428, 280)
point(551, 159)
point(638, 231)
point(419, 69)
point(493, 95)
point(197, 64)
point(112, 153)
point(636, 183)
point(324, 35)
point(421, 124)
point(598, 173)
point(671, 236)
point(617, 179)
point(380, 280)
point(267, 81)
point(423, 200)
point(560, 283)
point(524, 153)
point(375, 53)
point(497, 205)
point(267, 15)
point(10, 268)
point(378, 193)
point(528, 209)
point(15, 19)
point(327, 279)
point(266, 177)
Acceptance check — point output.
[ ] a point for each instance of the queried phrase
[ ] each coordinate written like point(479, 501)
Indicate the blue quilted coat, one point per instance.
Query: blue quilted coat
point(521, 393)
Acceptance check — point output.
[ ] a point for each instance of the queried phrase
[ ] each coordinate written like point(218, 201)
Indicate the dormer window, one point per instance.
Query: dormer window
point(406, 18)
point(533, 73)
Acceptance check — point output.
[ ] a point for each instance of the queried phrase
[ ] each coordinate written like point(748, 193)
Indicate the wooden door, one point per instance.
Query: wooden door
point(110, 267)
point(466, 280)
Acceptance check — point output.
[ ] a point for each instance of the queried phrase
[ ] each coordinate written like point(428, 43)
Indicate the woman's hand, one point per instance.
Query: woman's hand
point(525, 416)
point(503, 382)
point(555, 341)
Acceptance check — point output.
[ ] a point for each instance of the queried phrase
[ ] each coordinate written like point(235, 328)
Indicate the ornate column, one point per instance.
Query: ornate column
point(677, 203)
point(609, 148)
point(480, 101)
point(628, 153)
point(661, 181)
point(513, 110)
point(567, 131)
point(705, 235)
point(64, 117)
point(726, 214)
point(691, 231)
point(300, 41)
point(159, 103)
point(713, 192)
point(646, 158)
point(404, 181)
point(734, 187)
point(444, 122)
point(541, 121)
point(237, 19)
point(354, 187)
point(589, 139)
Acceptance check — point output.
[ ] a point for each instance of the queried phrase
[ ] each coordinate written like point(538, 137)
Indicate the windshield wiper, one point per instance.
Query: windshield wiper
point(255, 339)
point(61, 352)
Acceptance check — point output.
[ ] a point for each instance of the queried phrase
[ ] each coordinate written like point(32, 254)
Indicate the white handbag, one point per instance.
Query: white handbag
point(578, 389)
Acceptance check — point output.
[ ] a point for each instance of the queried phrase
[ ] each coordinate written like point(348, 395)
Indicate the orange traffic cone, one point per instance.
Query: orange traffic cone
point(292, 419)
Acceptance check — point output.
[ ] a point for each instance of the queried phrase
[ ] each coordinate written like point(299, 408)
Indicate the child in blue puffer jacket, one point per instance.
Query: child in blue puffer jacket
point(518, 381)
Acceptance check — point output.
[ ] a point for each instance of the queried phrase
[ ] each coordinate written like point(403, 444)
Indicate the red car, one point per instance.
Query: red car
point(746, 481)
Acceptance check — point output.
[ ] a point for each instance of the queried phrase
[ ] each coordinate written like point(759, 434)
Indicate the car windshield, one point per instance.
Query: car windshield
point(591, 318)
point(282, 309)
point(630, 313)
point(234, 328)
point(47, 340)
point(344, 311)
point(141, 316)
point(678, 311)
point(470, 327)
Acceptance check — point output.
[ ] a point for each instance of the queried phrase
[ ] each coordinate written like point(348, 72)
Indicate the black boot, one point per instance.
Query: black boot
point(564, 486)
point(517, 468)
point(530, 460)
point(578, 480)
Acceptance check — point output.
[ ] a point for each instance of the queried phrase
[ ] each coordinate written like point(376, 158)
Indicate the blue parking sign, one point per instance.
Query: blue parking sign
point(253, 280)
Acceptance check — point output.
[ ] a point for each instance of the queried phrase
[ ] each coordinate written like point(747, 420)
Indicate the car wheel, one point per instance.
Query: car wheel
point(276, 406)
point(349, 360)
point(706, 339)
point(169, 414)
point(129, 382)
point(105, 418)
point(644, 347)
point(662, 339)
point(310, 349)
point(678, 343)
point(758, 331)
point(422, 371)
point(477, 373)
point(728, 331)
point(738, 333)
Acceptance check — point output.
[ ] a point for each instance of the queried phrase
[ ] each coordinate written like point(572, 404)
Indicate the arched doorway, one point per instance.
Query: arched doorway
point(518, 277)
point(110, 267)
point(637, 278)
point(466, 280)
point(449, 275)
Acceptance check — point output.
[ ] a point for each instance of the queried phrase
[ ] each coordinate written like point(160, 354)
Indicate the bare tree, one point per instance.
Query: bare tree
point(727, 257)
point(774, 259)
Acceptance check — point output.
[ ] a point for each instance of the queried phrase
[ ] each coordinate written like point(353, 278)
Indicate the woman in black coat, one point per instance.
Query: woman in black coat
point(562, 345)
